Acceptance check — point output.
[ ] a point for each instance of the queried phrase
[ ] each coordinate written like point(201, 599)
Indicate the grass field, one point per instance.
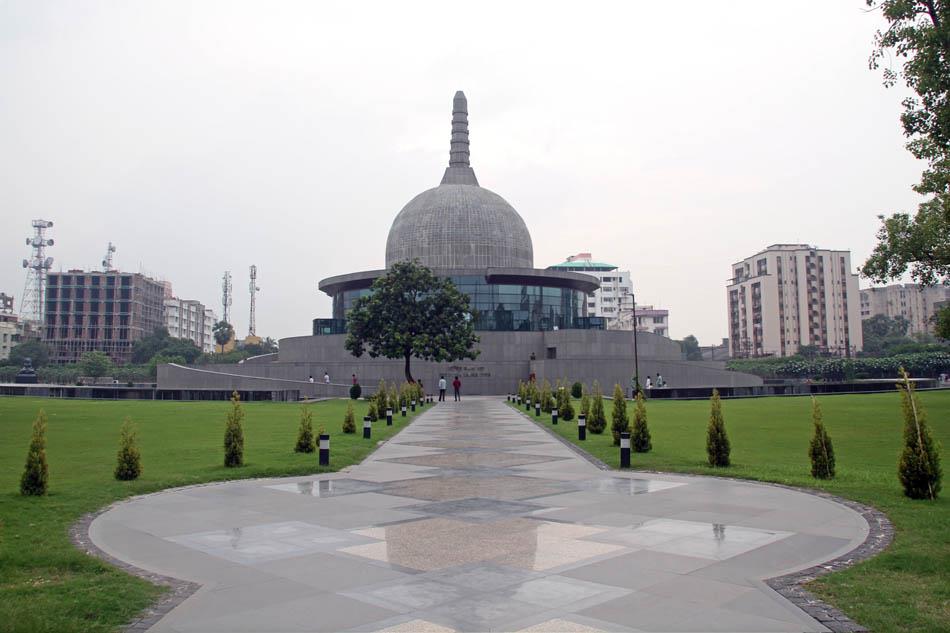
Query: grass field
point(48, 585)
point(907, 588)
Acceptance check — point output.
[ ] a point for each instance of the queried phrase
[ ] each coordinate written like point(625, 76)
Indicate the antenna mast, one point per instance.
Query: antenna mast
point(107, 266)
point(32, 306)
point(251, 330)
point(226, 296)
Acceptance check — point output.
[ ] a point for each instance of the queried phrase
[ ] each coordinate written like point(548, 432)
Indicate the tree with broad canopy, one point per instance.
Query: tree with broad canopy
point(412, 313)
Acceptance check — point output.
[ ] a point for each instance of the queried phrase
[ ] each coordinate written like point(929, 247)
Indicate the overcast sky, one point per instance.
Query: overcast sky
point(671, 139)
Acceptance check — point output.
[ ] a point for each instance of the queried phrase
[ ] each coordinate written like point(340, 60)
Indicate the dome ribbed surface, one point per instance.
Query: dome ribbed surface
point(460, 226)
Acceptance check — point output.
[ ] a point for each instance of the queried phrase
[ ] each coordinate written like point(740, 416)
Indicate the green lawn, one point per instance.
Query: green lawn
point(907, 588)
point(48, 585)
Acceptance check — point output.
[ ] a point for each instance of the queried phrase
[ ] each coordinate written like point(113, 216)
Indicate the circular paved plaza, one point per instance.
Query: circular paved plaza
point(475, 519)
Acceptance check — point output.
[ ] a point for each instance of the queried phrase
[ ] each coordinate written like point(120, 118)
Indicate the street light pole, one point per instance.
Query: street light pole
point(636, 356)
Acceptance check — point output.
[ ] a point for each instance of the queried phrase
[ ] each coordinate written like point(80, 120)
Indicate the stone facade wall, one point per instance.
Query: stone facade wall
point(505, 358)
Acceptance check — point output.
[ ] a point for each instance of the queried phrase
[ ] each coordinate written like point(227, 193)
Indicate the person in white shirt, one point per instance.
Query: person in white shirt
point(310, 380)
point(649, 385)
point(441, 388)
point(326, 377)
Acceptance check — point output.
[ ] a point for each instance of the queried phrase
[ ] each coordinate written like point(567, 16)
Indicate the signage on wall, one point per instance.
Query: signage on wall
point(470, 371)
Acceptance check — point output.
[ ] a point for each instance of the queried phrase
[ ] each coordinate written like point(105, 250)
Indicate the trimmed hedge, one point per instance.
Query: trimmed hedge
point(924, 364)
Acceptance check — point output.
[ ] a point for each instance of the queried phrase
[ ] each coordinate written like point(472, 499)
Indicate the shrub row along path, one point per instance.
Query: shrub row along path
point(472, 519)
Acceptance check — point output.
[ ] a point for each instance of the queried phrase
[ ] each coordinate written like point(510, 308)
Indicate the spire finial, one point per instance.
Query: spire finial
point(459, 152)
point(459, 171)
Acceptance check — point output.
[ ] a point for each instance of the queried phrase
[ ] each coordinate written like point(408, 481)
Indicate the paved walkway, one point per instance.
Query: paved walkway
point(474, 519)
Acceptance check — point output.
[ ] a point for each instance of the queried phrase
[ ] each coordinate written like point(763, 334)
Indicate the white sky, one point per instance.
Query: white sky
point(672, 139)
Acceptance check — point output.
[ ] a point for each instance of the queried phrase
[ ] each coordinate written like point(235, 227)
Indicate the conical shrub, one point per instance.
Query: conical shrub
point(547, 402)
point(565, 409)
point(919, 467)
point(129, 460)
point(717, 442)
point(305, 440)
point(371, 412)
point(234, 434)
point(349, 420)
point(393, 397)
point(585, 403)
point(597, 421)
point(820, 451)
point(35, 479)
point(619, 420)
point(381, 397)
point(640, 434)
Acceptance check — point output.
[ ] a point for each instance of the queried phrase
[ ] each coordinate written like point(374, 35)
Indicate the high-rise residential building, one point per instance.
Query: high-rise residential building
point(190, 319)
point(916, 304)
point(793, 295)
point(101, 311)
point(613, 300)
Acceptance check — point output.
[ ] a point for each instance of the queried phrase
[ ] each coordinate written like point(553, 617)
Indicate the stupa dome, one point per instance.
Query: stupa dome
point(460, 224)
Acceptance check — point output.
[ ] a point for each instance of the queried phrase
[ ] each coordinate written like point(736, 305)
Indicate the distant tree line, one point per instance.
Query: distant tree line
point(147, 353)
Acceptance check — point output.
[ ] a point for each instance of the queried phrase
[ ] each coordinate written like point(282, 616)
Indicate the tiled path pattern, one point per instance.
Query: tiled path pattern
point(474, 519)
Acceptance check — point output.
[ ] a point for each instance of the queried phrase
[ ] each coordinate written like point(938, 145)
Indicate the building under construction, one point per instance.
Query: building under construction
point(100, 311)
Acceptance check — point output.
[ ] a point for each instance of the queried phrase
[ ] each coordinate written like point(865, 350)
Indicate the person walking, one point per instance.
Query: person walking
point(457, 385)
point(648, 386)
point(326, 377)
point(354, 380)
point(441, 388)
point(310, 379)
point(660, 383)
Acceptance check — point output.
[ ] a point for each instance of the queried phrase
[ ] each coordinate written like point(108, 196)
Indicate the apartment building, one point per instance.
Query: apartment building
point(102, 311)
point(793, 295)
point(614, 299)
point(190, 319)
point(916, 304)
point(650, 319)
point(8, 326)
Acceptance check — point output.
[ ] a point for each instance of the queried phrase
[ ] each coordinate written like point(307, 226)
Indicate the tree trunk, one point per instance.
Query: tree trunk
point(408, 373)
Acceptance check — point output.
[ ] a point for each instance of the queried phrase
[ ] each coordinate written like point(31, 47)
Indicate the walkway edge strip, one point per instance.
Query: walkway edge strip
point(790, 586)
point(179, 590)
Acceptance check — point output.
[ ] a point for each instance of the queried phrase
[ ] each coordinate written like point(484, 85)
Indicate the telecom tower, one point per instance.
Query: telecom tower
point(107, 266)
point(33, 303)
point(254, 289)
point(226, 296)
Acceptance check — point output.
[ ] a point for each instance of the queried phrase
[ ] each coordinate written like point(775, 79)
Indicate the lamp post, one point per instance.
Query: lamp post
point(636, 356)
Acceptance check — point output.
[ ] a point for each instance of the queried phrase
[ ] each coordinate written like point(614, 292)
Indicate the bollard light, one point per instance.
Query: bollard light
point(582, 427)
point(389, 417)
point(625, 450)
point(537, 409)
point(367, 427)
point(403, 410)
point(553, 416)
point(324, 450)
point(413, 405)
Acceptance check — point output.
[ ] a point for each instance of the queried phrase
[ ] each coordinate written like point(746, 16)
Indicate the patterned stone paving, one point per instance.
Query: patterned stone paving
point(475, 519)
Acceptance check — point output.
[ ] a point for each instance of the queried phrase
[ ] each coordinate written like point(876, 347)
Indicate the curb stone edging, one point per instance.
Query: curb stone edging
point(179, 590)
point(790, 586)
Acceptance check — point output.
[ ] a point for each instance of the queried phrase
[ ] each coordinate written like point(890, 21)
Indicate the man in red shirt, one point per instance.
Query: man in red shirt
point(457, 384)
